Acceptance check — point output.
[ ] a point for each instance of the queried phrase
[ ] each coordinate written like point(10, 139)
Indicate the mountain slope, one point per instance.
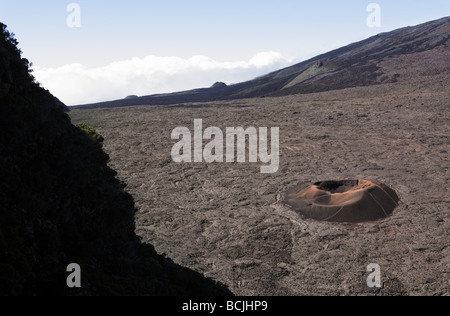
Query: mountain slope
point(354, 65)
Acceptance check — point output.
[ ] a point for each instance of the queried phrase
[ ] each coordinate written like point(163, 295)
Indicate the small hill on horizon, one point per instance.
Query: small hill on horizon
point(355, 65)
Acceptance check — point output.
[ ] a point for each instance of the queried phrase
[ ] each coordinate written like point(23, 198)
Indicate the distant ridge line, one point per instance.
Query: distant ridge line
point(352, 65)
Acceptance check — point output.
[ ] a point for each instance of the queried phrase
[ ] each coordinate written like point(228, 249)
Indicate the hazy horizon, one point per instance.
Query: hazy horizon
point(138, 48)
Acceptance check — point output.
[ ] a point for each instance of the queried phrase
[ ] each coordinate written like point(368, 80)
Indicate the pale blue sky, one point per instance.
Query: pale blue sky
point(225, 31)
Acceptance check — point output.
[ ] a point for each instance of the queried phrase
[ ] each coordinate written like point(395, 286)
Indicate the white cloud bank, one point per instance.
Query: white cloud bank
point(77, 84)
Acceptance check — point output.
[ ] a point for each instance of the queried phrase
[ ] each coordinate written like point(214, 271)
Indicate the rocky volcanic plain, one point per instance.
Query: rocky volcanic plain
point(227, 220)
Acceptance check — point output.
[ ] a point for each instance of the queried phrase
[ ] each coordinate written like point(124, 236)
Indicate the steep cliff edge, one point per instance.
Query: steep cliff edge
point(60, 203)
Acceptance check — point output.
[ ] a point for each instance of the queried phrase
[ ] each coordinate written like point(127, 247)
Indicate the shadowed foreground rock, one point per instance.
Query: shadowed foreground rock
point(60, 203)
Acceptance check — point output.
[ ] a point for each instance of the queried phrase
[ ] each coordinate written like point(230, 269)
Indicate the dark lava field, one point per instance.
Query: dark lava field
point(228, 220)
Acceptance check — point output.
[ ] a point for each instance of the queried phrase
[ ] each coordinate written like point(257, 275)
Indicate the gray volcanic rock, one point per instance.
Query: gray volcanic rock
point(229, 222)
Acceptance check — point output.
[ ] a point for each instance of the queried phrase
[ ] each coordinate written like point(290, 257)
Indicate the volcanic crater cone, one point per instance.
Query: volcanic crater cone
point(350, 201)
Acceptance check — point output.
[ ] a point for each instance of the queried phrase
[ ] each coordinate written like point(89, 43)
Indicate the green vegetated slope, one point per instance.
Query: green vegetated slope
point(60, 203)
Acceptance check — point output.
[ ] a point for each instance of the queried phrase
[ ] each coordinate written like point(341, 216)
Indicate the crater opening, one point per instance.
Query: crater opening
point(337, 186)
point(342, 201)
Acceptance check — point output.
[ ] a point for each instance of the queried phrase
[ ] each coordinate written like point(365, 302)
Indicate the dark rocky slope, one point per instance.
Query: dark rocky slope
point(60, 203)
